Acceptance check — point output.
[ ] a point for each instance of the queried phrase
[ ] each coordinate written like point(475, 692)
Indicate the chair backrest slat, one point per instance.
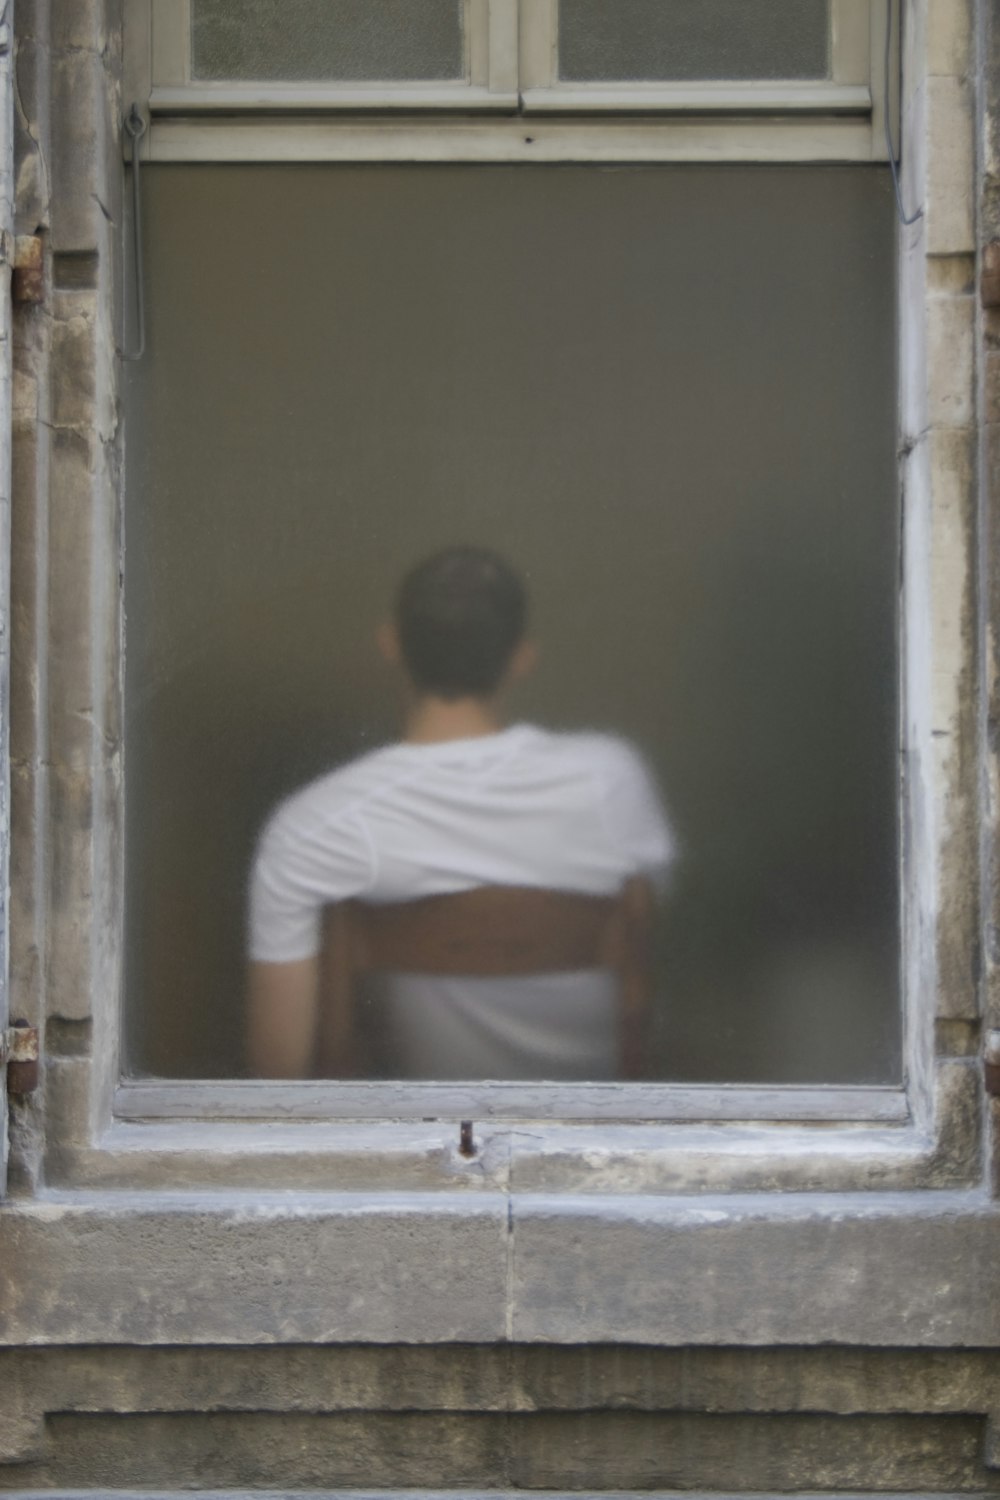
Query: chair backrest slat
point(481, 933)
point(491, 930)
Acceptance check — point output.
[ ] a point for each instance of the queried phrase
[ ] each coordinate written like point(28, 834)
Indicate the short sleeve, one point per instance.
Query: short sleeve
point(637, 821)
point(303, 863)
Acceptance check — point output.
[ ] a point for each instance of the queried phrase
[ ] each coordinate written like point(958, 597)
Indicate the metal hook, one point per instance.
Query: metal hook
point(135, 129)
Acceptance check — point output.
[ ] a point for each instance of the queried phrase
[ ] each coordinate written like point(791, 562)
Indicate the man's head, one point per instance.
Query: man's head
point(459, 623)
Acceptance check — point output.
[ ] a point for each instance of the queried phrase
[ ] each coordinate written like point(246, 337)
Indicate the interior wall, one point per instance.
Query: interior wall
point(668, 393)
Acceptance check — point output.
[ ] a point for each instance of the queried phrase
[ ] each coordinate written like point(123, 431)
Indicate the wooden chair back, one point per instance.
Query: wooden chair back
point(484, 932)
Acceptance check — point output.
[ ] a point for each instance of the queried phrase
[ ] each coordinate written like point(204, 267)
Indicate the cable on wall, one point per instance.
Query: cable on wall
point(135, 129)
point(893, 163)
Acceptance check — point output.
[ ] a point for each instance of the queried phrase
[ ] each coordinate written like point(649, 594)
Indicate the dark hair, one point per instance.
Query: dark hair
point(460, 614)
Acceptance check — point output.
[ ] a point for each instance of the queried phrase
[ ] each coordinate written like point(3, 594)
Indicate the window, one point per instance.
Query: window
point(688, 450)
point(506, 84)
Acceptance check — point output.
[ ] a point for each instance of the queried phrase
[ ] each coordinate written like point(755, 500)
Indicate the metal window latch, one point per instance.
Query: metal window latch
point(19, 1053)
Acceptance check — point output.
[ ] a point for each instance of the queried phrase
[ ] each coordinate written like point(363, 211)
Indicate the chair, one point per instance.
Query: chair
point(485, 932)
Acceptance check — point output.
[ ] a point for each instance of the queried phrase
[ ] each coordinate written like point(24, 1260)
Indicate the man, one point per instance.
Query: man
point(461, 802)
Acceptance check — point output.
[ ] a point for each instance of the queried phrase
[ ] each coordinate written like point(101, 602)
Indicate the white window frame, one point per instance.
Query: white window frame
point(623, 1139)
point(511, 104)
point(158, 63)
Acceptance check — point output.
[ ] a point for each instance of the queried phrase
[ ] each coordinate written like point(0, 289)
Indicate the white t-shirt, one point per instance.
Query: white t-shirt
point(523, 807)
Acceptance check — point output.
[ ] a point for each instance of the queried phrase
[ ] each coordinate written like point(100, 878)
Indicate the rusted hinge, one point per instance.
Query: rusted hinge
point(991, 1063)
point(19, 1051)
point(27, 283)
point(989, 280)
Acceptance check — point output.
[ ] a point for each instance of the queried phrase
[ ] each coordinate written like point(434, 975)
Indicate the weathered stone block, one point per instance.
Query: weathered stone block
point(682, 1451)
point(876, 1269)
point(265, 1268)
point(67, 1099)
point(951, 275)
point(70, 917)
point(959, 1114)
point(286, 1452)
point(79, 98)
point(26, 937)
point(31, 134)
point(71, 522)
point(949, 37)
point(950, 365)
point(25, 544)
point(82, 26)
point(840, 1381)
point(73, 381)
point(950, 202)
point(991, 389)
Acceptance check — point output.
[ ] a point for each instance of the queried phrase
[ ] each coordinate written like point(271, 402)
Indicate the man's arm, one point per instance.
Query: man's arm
point(301, 866)
point(282, 1003)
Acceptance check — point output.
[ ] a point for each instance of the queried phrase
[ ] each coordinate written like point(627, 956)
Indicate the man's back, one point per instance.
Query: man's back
point(521, 807)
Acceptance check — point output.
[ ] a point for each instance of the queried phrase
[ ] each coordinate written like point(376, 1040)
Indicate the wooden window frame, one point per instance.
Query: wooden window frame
point(511, 105)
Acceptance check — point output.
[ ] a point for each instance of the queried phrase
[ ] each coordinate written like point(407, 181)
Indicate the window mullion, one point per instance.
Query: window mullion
point(538, 43)
point(850, 41)
point(171, 41)
point(503, 47)
point(477, 42)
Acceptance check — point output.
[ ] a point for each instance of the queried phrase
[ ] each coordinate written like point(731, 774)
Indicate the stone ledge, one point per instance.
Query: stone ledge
point(884, 1269)
point(903, 1269)
point(256, 1268)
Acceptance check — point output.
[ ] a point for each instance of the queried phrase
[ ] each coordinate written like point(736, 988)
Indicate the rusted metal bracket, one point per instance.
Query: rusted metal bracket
point(19, 1051)
point(991, 1063)
point(989, 280)
point(27, 283)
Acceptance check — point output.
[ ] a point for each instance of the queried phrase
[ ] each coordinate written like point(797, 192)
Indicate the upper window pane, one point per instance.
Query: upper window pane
point(350, 40)
point(667, 40)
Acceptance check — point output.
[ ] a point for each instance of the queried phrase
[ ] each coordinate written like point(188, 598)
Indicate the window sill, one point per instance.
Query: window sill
point(282, 1137)
point(463, 133)
point(892, 1269)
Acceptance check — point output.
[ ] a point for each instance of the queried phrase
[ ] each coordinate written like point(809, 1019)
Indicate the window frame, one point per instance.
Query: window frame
point(160, 59)
point(511, 87)
point(928, 1134)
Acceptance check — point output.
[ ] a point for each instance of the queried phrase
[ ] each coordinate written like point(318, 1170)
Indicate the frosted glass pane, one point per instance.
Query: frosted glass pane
point(354, 40)
point(689, 453)
point(693, 39)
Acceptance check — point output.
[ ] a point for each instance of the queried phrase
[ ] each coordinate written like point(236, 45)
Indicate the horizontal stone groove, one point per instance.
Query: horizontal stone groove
point(469, 1377)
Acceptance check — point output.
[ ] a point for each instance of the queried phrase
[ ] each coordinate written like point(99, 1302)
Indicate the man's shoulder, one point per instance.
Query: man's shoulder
point(592, 750)
point(335, 795)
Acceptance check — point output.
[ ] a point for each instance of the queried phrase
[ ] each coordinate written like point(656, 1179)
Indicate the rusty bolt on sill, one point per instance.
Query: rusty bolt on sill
point(466, 1143)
